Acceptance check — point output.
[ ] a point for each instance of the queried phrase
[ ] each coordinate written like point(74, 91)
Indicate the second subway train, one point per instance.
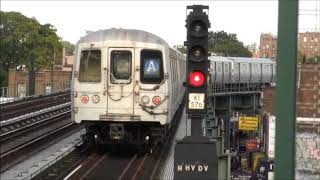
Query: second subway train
point(231, 70)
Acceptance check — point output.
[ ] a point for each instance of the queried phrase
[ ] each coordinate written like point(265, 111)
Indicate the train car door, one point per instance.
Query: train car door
point(219, 72)
point(226, 72)
point(120, 81)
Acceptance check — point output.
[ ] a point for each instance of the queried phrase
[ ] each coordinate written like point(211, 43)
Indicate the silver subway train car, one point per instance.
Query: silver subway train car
point(230, 70)
point(126, 87)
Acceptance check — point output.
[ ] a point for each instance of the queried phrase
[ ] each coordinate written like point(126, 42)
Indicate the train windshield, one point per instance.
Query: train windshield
point(90, 66)
point(121, 65)
point(152, 67)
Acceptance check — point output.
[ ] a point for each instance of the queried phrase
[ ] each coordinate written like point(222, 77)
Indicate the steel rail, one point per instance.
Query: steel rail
point(24, 129)
point(128, 166)
point(16, 153)
point(31, 98)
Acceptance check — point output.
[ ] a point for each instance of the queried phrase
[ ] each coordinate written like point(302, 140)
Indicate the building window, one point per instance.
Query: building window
point(316, 39)
point(305, 39)
point(267, 46)
point(311, 47)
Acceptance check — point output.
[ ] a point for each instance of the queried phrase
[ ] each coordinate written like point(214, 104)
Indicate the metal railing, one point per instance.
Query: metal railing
point(20, 91)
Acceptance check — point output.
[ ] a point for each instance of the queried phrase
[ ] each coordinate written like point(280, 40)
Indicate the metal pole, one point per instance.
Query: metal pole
point(52, 63)
point(32, 76)
point(286, 90)
point(196, 126)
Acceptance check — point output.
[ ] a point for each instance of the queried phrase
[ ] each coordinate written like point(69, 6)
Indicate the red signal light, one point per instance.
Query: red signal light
point(197, 78)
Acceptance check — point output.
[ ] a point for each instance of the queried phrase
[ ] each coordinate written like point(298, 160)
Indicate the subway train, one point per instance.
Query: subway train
point(241, 70)
point(126, 87)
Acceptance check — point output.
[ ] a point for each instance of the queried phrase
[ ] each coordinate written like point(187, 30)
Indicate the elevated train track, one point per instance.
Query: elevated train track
point(31, 104)
point(18, 147)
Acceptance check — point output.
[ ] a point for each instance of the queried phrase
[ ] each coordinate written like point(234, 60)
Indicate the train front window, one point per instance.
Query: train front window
point(121, 65)
point(151, 67)
point(90, 66)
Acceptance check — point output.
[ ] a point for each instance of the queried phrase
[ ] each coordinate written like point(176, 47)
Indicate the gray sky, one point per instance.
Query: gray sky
point(248, 19)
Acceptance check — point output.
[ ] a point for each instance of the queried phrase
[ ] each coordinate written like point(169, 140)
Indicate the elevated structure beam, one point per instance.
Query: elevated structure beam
point(286, 89)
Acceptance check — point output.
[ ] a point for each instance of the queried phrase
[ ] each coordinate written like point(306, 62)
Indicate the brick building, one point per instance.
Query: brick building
point(46, 81)
point(308, 92)
point(268, 46)
point(308, 45)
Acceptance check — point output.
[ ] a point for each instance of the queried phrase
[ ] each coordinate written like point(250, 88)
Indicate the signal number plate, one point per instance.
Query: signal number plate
point(196, 101)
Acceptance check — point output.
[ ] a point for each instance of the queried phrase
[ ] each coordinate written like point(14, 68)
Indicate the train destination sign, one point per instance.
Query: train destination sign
point(248, 123)
point(152, 67)
point(196, 100)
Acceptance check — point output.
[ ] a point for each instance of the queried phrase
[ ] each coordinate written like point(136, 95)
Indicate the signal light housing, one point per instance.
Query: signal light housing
point(198, 29)
point(197, 54)
point(197, 24)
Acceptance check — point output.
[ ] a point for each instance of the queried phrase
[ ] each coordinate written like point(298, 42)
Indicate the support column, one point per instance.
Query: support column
point(286, 89)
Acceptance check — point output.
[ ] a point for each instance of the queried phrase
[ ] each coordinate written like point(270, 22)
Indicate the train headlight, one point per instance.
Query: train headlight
point(156, 100)
point(145, 100)
point(84, 99)
point(95, 99)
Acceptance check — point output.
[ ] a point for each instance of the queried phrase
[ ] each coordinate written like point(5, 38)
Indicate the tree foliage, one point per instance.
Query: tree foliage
point(227, 44)
point(69, 47)
point(22, 36)
point(181, 48)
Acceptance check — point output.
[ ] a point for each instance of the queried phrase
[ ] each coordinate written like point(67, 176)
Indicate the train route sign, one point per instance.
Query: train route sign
point(248, 123)
point(196, 100)
point(152, 66)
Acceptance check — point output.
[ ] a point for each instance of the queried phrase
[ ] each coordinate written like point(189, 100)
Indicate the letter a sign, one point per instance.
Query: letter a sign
point(151, 66)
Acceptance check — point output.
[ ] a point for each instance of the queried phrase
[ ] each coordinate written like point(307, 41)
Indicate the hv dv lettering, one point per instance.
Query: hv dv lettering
point(192, 168)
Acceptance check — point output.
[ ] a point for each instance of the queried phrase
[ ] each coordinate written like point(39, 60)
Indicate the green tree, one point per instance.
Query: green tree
point(69, 47)
point(21, 36)
point(315, 59)
point(227, 44)
point(181, 48)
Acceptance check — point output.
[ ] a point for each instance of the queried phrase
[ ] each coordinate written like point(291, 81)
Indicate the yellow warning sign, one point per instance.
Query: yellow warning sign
point(248, 122)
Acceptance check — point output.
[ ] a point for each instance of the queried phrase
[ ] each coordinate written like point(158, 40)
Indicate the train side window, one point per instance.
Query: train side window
point(152, 67)
point(90, 66)
point(121, 65)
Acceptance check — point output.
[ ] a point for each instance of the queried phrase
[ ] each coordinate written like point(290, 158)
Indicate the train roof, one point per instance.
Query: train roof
point(241, 59)
point(122, 35)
